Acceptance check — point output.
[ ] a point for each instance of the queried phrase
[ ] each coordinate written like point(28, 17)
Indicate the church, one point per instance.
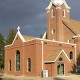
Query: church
point(57, 52)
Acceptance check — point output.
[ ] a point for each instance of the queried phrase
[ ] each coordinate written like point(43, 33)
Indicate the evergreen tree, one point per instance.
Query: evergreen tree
point(11, 35)
point(2, 44)
point(41, 36)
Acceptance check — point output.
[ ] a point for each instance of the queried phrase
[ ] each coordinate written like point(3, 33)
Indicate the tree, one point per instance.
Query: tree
point(10, 37)
point(41, 36)
point(2, 44)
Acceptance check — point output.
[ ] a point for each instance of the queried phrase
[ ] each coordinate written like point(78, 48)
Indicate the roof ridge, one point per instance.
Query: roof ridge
point(27, 36)
point(64, 22)
point(74, 20)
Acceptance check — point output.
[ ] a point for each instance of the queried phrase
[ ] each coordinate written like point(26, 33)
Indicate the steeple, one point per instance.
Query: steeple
point(57, 2)
point(57, 11)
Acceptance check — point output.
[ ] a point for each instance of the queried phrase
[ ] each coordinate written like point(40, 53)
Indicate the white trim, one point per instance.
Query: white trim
point(48, 61)
point(78, 36)
point(49, 6)
point(48, 11)
point(58, 7)
point(68, 11)
point(44, 35)
point(27, 65)
point(52, 13)
point(64, 2)
point(18, 34)
point(9, 65)
point(69, 41)
point(66, 5)
point(45, 40)
point(65, 55)
point(42, 42)
point(15, 61)
point(54, 41)
point(64, 70)
point(57, 2)
point(76, 57)
point(58, 57)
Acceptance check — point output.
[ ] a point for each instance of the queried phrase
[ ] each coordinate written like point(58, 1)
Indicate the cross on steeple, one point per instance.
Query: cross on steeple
point(18, 29)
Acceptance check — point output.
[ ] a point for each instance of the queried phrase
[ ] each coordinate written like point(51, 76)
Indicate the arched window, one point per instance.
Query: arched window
point(60, 59)
point(69, 41)
point(63, 13)
point(17, 60)
point(9, 65)
point(52, 13)
point(71, 55)
point(53, 31)
point(28, 64)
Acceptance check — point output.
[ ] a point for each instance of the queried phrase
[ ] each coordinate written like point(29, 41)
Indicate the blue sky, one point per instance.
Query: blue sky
point(30, 15)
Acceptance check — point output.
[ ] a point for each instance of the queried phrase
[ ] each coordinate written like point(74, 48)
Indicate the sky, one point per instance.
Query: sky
point(30, 15)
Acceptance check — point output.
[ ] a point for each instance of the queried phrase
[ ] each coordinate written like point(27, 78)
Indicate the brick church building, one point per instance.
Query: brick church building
point(56, 53)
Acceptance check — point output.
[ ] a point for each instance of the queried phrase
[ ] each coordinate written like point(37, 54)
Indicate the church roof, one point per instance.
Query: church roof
point(54, 55)
point(28, 37)
point(73, 25)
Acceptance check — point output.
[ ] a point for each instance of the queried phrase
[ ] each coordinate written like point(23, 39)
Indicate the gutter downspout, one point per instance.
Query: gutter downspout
point(42, 42)
point(75, 57)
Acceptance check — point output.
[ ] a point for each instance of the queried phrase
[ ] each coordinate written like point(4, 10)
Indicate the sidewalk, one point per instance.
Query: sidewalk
point(12, 77)
point(70, 77)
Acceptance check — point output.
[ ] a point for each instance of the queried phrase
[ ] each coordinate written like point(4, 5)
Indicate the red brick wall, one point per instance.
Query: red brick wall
point(33, 50)
point(56, 22)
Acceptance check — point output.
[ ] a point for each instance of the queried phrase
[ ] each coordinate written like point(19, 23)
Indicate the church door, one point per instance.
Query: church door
point(60, 69)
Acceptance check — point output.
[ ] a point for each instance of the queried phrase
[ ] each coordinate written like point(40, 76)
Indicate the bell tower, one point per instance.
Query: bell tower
point(57, 11)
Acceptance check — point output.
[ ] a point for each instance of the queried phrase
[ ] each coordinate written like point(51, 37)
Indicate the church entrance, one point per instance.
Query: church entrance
point(60, 69)
point(60, 66)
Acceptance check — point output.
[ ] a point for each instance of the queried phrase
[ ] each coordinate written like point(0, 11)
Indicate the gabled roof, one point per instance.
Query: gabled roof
point(28, 37)
point(55, 55)
point(73, 25)
point(22, 37)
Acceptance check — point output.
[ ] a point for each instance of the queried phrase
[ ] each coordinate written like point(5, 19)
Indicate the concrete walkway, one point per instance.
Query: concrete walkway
point(12, 77)
point(70, 77)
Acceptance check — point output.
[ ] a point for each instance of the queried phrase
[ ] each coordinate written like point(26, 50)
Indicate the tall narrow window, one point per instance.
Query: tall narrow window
point(52, 13)
point(71, 55)
point(17, 60)
point(69, 41)
point(63, 13)
point(9, 65)
point(29, 64)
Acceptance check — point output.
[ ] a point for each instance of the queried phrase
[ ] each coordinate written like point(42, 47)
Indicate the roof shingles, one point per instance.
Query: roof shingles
point(73, 25)
point(53, 55)
point(28, 37)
